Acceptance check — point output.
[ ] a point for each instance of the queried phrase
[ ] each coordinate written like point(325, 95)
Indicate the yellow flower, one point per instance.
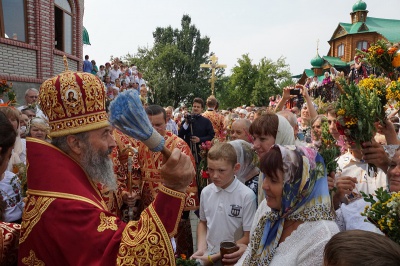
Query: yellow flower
point(341, 111)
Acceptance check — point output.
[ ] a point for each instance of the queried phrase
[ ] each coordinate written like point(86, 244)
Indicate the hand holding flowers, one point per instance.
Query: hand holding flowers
point(384, 212)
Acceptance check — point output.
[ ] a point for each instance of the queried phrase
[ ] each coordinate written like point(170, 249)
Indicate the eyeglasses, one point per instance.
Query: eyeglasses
point(33, 97)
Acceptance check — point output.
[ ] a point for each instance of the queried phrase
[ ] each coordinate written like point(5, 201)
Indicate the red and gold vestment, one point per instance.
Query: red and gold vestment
point(67, 222)
point(217, 121)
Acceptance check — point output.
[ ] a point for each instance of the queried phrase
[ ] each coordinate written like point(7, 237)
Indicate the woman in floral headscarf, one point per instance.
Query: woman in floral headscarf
point(296, 222)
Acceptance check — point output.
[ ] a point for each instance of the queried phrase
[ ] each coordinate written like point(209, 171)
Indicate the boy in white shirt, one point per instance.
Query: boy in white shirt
point(227, 206)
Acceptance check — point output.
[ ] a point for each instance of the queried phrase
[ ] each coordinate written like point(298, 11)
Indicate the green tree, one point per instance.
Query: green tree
point(272, 77)
point(172, 66)
point(255, 83)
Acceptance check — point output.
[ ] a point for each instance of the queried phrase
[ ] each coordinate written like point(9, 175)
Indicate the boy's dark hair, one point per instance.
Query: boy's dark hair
point(224, 151)
point(344, 249)
point(266, 124)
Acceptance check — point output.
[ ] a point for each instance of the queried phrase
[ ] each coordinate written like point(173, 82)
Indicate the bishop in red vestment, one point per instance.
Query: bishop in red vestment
point(66, 221)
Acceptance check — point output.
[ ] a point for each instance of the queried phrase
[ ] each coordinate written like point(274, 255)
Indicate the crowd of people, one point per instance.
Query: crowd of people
point(252, 175)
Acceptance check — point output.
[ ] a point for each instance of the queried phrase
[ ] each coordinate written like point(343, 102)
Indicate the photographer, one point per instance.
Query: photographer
point(289, 96)
point(196, 129)
point(307, 113)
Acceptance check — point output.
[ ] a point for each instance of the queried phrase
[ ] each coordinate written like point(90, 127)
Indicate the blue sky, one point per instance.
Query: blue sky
point(261, 28)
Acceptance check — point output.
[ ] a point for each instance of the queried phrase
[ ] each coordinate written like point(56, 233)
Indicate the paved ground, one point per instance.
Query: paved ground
point(193, 222)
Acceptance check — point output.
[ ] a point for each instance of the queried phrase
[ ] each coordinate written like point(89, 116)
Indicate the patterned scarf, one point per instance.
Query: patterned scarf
point(305, 197)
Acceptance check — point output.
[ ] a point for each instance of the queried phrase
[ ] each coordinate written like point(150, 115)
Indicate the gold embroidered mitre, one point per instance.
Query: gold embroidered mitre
point(74, 102)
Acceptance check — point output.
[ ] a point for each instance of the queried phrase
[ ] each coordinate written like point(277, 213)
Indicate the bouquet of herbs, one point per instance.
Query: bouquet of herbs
point(6, 89)
point(357, 110)
point(379, 85)
point(384, 212)
point(322, 105)
point(393, 93)
point(380, 56)
point(328, 149)
point(183, 261)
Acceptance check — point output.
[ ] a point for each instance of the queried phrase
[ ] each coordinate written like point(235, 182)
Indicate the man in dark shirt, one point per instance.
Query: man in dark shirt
point(196, 129)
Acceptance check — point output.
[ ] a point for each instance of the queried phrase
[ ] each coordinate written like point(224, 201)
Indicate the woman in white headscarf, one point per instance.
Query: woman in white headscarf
point(267, 130)
point(247, 158)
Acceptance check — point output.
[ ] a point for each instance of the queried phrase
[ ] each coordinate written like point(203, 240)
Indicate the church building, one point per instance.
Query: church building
point(360, 33)
point(34, 37)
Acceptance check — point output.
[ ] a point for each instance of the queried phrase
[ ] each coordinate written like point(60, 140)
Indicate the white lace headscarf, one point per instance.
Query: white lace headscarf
point(246, 157)
point(285, 134)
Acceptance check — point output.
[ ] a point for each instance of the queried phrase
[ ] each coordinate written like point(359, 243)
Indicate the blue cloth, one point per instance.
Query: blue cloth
point(87, 66)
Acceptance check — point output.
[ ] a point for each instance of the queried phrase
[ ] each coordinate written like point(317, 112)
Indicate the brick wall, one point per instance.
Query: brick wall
point(17, 61)
point(58, 65)
point(37, 59)
point(32, 20)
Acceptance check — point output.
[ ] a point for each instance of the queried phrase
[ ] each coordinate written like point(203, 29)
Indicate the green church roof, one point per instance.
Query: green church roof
point(388, 28)
point(335, 61)
point(317, 61)
point(309, 73)
point(359, 6)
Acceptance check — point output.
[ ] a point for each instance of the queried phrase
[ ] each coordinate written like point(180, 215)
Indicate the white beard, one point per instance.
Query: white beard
point(99, 167)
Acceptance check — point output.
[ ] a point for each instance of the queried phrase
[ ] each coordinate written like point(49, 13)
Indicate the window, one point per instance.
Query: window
point(63, 26)
point(362, 45)
point(340, 50)
point(13, 19)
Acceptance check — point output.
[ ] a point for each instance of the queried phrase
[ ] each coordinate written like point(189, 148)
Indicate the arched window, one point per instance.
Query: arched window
point(13, 19)
point(362, 45)
point(63, 26)
point(340, 50)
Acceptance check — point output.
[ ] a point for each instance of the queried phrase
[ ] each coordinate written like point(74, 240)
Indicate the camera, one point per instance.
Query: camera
point(189, 119)
point(294, 92)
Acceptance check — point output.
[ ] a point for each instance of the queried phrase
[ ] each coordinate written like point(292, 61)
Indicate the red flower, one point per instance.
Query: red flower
point(204, 174)
point(380, 51)
point(340, 128)
point(208, 144)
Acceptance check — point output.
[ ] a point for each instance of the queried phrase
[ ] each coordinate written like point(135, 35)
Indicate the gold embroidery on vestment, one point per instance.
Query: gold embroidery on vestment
point(61, 195)
point(107, 222)
point(32, 260)
point(33, 211)
point(145, 243)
